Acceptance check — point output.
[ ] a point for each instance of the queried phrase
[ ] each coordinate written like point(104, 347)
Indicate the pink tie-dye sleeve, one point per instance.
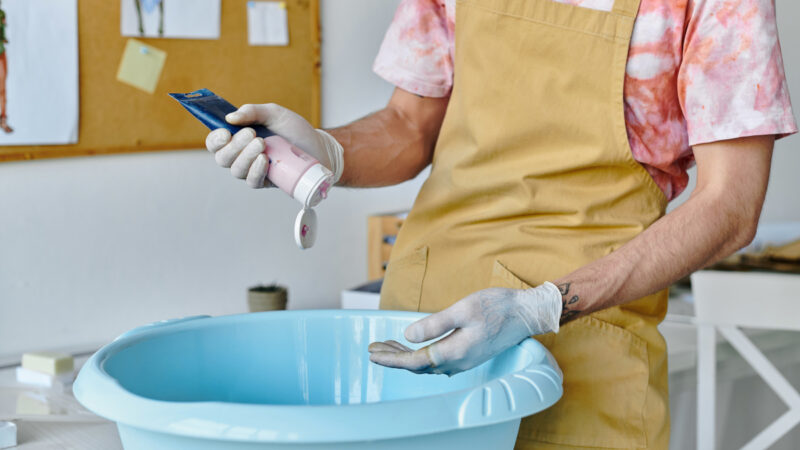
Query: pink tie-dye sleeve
point(731, 81)
point(416, 52)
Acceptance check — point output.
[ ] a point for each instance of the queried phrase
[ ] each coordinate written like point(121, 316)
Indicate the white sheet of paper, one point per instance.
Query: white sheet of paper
point(267, 23)
point(41, 80)
point(188, 19)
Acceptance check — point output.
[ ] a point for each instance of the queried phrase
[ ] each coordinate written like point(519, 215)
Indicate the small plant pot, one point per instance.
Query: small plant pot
point(266, 298)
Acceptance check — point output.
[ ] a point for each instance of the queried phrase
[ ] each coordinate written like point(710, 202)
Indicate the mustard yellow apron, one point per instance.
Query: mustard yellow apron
point(532, 178)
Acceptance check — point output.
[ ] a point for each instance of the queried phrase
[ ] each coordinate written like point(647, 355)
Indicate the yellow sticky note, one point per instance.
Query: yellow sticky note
point(141, 65)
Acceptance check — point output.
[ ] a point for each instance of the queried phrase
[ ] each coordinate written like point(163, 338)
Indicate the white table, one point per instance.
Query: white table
point(67, 436)
point(69, 427)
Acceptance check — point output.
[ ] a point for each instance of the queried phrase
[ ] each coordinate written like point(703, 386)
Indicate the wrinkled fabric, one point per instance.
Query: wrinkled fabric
point(697, 72)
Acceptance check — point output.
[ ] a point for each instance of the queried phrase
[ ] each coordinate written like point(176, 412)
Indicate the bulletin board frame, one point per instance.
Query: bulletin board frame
point(118, 118)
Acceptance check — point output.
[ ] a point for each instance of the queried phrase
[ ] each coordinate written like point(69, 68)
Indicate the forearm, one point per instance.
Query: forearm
point(392, 145)
point(656, 258)
point(718, 219)
point(381, 149)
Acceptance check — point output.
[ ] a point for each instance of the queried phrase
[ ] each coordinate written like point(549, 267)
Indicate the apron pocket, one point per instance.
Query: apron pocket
point(504, 278)
point(606, 376)
point(402, 286)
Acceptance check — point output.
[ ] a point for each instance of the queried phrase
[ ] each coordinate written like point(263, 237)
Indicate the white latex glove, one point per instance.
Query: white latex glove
point(244, 152)
point(486, 323)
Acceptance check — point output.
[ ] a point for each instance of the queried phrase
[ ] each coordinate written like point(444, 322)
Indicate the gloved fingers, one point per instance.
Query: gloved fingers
point(270, 115)
point(435, 325)
point(388, 346)
point(247, 115)
point(450, 355)
point(382, 347)
point(283, 122)
point(398, 346)
point(228, 154)
point(257, 175)
point(386, 355)
point(296, 130)
point(241, 166)
point(217, 139)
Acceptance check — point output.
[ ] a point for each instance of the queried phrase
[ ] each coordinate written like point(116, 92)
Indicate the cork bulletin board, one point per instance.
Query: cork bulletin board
point(117, 118)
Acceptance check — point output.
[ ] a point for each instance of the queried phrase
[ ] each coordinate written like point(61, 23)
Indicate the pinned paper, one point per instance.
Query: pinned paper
point(267, 23)
point(184, 19)
point(141, 65)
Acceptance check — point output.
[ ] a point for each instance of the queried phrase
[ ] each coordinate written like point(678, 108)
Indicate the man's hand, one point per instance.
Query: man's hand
point(486, 323)
point(244, 152)
point(387, 147)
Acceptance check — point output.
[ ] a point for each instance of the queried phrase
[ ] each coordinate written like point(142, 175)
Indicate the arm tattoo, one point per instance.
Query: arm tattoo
point(569, 309)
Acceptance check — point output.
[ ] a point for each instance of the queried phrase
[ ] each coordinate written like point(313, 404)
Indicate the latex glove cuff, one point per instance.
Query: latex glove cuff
point(335, 153)
point(540, 308)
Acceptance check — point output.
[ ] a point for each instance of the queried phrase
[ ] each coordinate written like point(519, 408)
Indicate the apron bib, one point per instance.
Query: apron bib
point(532, 178)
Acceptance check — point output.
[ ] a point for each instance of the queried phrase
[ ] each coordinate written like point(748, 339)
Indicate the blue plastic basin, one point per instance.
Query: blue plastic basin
point(303, 380)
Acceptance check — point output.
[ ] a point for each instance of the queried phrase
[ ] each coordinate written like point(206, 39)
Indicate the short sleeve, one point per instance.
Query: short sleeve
point(731, 81)
point(416, 54)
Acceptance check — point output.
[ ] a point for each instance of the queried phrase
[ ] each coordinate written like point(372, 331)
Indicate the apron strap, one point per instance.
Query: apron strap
point(627, 8)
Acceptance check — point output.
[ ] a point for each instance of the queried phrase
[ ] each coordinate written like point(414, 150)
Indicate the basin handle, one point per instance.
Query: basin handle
point(541, 355)
point(158, 324)
point(539, 383)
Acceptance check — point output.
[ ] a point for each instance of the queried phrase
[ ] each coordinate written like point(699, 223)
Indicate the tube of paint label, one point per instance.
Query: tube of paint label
point(290, 169)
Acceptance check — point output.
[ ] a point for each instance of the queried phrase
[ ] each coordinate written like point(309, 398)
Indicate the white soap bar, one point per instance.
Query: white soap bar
point(32, 377)
point(49, 362)
point(8, 434)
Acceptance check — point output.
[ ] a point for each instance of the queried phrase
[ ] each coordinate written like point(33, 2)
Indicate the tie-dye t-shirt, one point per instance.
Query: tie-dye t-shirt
point(698, 71)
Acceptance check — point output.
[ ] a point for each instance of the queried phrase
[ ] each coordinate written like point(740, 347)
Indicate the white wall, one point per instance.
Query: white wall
point(90, 247)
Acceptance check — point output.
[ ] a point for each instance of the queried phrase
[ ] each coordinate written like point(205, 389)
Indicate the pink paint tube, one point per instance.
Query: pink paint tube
point(290, 169)
point(296, 173)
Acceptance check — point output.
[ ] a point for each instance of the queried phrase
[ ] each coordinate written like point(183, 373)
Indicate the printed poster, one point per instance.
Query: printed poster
point(38, 72)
